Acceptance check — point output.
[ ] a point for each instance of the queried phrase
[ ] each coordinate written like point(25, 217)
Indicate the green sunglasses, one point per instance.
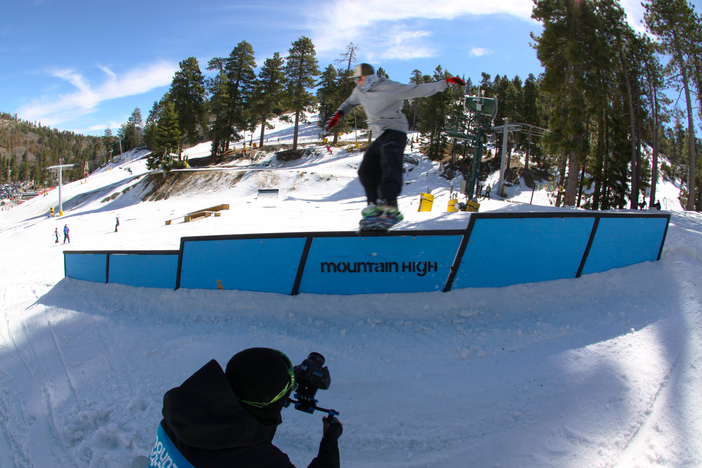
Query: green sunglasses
point(290, 385)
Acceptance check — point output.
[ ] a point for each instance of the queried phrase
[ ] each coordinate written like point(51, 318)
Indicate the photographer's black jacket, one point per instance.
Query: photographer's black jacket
point(206, 423)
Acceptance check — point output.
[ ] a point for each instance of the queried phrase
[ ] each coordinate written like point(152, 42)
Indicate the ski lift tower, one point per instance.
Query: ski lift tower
point(528, 129)
point(60, 168)
point(471, 123)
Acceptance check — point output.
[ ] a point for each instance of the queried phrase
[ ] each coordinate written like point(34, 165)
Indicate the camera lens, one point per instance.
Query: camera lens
point(316, 358)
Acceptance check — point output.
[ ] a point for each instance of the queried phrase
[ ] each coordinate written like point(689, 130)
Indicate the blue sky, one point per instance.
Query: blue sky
point(84, 65)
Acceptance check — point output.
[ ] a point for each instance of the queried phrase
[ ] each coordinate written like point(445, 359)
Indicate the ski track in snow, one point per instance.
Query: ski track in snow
point(598, 371)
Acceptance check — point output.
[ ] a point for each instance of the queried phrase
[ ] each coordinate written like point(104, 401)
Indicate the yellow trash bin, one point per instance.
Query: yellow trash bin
point(452, 206)
point(426, 201)
point(472, 206)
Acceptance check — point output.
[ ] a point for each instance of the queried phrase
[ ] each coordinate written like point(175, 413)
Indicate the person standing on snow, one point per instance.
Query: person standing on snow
point(57, 235)
point(380, 172)
point(116, 224)
point(66, 237)
point(228, 418)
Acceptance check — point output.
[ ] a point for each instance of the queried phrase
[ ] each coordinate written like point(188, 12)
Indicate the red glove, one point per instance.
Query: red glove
point(333, 120)
point(455, 81)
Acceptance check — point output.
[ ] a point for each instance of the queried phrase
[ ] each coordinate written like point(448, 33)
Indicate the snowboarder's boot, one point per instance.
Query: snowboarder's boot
point(380, 217)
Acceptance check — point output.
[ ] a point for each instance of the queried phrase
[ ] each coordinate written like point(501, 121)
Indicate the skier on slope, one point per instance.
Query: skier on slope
point(380, 172)
point(229, 418)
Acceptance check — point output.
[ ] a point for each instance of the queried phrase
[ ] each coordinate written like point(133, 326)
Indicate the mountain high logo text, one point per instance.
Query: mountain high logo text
point(420, 268)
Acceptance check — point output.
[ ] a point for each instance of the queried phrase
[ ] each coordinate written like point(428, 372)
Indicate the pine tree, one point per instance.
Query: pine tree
point(575, 51)
point(240, 79)
point(268, 91)
point(434, 111)
point(130, 133)
point(300, 69)
point(187, 93)
point(167, 137)
point(348, 57)
point(218, 87)
point(674, 23)
point(411, 107)
point(24, 168)
point(231, 92)
point(328, 95)
point(152, 120)
point(531, 114)
point(109, 143)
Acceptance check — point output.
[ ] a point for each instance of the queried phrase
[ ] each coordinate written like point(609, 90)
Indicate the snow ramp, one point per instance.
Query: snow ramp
point(494, 250)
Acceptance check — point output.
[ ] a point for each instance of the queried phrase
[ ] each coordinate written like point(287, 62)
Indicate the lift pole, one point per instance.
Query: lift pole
point(60, 168)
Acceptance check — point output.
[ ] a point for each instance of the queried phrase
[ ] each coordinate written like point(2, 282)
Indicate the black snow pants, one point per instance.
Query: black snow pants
point(380, 172)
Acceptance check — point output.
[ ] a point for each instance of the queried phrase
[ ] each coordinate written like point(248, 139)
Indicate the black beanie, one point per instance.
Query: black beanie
point(259, 375)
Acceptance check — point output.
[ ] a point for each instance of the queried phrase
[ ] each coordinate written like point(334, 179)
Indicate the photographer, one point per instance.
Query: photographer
point(228, 419)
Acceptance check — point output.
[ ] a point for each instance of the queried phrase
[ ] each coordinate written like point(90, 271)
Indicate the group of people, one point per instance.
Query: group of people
point(66, 236)
point(66, 231)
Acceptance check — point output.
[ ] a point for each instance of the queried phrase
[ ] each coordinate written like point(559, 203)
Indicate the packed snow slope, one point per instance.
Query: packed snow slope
point(601, 371)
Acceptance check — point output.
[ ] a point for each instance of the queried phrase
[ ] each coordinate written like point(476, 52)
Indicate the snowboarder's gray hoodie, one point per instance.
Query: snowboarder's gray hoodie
point(383, 102)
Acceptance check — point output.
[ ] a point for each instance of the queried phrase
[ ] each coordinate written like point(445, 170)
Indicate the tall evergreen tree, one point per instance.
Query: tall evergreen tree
point(434, 111)
point(218, 87)
point(241, 79)
point(187, 93)
point(130, 133)
point(673, 22)
point(573, 49)
point(152, 120)
point(300, 69)
point(329, 94)
point(231, 92)
point(268, 91)
point(348, 57)
point(109, 142)
point(531, 114)
point(167, 137)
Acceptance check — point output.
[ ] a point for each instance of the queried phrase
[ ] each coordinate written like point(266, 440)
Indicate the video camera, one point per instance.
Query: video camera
point(310, 376)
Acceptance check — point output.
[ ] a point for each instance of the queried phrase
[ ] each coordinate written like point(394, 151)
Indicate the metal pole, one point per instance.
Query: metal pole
point(60, 171)
point(505, 131)
point(60, 168)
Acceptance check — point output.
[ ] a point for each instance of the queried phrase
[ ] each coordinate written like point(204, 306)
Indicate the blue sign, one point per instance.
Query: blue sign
point(383, 264)
point(264, 264)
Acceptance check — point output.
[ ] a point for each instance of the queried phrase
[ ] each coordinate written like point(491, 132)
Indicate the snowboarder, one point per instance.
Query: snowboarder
point(66, 237)
point(380, 172)
point(116, 224)
point(57, 235)
point(487, 191)
point(229, 418)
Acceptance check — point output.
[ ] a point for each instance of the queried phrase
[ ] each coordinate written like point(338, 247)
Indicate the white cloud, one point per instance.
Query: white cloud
point(400, 43)
point(86, 98)
point(479, 52)
point(375, 24)
point(635, 14)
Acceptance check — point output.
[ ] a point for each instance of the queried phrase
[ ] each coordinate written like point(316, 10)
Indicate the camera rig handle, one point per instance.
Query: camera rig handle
point(309, 405)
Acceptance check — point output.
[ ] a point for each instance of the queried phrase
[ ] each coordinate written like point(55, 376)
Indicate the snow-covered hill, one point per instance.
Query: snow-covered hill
point(597, 371)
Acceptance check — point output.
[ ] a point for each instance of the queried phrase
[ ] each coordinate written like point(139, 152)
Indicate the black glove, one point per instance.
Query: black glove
point(333, 120)
point(334, 430)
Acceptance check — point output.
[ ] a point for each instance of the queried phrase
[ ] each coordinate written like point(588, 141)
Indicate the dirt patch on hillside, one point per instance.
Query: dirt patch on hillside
point(182, 183)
